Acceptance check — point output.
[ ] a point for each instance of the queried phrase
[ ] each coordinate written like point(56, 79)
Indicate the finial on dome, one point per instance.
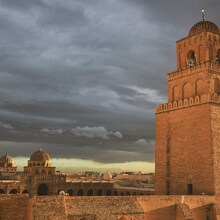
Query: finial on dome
point(203, 14)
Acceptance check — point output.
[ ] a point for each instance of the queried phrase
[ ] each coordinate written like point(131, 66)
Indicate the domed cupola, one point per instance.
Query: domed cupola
point(201, 26)
point(200, 46)
point(40, 163)
point(40, 158)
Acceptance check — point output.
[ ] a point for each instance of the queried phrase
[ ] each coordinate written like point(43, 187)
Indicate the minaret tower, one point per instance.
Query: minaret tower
point(188, 126)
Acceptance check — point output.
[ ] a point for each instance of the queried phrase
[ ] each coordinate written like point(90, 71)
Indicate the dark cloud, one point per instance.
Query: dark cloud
point(62, 17)
point(88, 64)
point(22, 4)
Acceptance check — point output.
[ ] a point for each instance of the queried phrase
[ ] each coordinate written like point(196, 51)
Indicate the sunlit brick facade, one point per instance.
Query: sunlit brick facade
point(188, 126)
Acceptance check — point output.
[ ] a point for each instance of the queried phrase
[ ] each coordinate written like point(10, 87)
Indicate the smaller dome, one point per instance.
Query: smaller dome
point(40, 156)
point(203, 26)
point(6, 159)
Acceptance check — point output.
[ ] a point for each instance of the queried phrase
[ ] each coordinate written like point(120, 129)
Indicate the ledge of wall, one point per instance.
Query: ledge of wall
point(192, 101)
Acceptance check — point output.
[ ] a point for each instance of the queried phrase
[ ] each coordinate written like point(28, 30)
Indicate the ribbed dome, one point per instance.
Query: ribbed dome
point(40, 156)
point(203, 26)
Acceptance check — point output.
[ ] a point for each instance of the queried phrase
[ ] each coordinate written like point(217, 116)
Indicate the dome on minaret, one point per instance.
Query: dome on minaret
point(203, 26)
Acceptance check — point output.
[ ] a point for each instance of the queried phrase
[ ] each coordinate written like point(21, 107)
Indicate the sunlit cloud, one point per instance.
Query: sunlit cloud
point(6, 125)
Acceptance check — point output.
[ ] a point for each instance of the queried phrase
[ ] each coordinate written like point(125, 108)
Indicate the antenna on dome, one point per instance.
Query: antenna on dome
point(203, 14)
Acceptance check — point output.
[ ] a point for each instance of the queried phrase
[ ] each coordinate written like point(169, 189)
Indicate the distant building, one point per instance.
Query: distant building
point(147, 178)
point(40, 178)
point(7, 164)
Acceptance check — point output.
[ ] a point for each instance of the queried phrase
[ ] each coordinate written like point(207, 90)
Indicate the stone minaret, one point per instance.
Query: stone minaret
point(188, 126)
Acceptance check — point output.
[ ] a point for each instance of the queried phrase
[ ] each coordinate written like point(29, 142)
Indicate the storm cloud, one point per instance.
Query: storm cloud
point(81, 79)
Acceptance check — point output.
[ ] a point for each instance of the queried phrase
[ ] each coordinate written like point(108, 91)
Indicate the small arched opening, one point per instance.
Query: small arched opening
point(199, 87)
point(108, 193)
point(80, 192)
point(13, 191)
point(70, 192)
point(216, 86)
point(190, 189)
point(217, 56)
point(191, 58)
point(25, 192)
point(210, 53)
point(2, 191)
point(42, 189)
point(201, 53)
point(99, 192)
point(90, 192)
point(176, 94)
point(187, 91)
point(115, 193)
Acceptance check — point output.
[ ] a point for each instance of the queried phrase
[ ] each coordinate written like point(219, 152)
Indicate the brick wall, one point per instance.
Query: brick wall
point(184, 152)
point(49, 207)
point(103, 207)
point(17, 207)
point(14, 207)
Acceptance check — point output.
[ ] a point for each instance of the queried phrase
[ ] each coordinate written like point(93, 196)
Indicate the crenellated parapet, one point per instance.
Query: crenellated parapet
point(193, 69)
point(187, 102)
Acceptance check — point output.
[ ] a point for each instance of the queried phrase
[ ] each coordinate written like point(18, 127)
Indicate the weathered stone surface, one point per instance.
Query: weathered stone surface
point(49, 207)
point(20, 207)
point(13, 207)
point(103, 207)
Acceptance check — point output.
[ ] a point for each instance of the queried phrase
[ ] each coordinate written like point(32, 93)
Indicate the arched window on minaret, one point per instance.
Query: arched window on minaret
point(199, 87)
point(175, 93)
point(210, 53)
point(217, 56)
point(201, 54)
point(181, 60)
point(216, 86)
point(187, 90)
point(191, 58)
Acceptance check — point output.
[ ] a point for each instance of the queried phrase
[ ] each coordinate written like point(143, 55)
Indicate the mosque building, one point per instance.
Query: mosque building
point(40, 178)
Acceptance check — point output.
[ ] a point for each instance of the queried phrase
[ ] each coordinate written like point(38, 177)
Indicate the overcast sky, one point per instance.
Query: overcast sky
point(81, 78)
